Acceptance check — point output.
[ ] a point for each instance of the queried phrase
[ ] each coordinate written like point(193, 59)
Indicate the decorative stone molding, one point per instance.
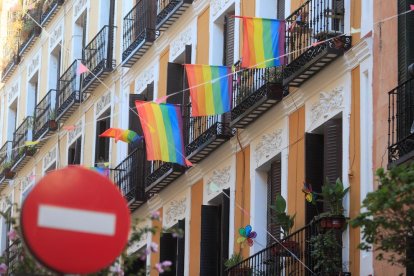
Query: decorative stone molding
point(219, 179)
point(33, 65)
point(49, 158)
point(72, 135)
point(217, 6)
point(328, 103)
point(78, 7)
point(268, 145)
point(178, 45)
point(144, 79)
point(56, 36)
point(102, 103)
point(174, 211)
point(13, 92)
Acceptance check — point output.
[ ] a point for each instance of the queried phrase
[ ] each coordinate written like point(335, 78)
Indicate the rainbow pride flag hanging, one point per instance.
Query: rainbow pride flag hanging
point(263, 42)
point(210, 89)
point(162, 126)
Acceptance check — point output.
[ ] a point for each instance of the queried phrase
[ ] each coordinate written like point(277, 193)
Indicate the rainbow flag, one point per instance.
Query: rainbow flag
point(263, 42)
point(210, 89)
point(162, 126)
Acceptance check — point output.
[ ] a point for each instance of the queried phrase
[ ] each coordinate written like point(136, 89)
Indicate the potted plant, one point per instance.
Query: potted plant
point(30, 150)
point(326, 253)
point(52, 120)
point(286, 223)
point(8, 173)
point(332, 196)
point(235, 259)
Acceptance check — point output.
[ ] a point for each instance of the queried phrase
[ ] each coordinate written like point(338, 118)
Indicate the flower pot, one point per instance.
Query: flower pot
point(53, 125)
point(286, 248)
point(30, 152)
point(240, 271)
point(8, 173)
point(334, 222)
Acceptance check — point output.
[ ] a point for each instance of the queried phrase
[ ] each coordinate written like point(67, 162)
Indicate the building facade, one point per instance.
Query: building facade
point(309, 121)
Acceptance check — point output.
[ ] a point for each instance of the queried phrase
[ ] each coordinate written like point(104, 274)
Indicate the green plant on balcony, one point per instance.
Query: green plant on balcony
point(387, 216)
point(326, 252)
point(52, 120)
point(235, 259)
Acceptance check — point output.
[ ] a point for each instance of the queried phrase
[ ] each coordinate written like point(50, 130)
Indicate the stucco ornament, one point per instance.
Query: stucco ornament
point(269, 145)
point(219, 179)
point(328, 103)
point(175, 210)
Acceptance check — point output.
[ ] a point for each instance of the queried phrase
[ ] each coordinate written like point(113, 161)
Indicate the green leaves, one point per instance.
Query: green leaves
point(279, 216)
point(333, 195)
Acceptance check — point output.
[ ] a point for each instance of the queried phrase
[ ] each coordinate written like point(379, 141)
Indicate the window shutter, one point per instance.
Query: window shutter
point(405, 39)
point(175, 82)
point(149, 92)
point(225, 222)
point(314, 155)
point(168, 252)
point(228, 50)
point(210, 236)
point(333, 150)
point(134, 123)
point(181, 248)
point(274, 188)
point(280, 9)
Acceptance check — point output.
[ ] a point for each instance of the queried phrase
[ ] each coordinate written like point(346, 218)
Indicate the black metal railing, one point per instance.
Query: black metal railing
point(51, 7)
point(5, 153)
point(22, 134)
point(314, 21)
point(129, 175)
point(31, 30)
point(14, 60)
point(196, 126)
point(69, 88)
point(139, 25)
point(12, 254)
point(166, 8)
point(45, 111)
point(401, 121)
point(98, 54)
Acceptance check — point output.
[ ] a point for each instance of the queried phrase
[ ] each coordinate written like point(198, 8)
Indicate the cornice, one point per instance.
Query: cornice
point(359, 52)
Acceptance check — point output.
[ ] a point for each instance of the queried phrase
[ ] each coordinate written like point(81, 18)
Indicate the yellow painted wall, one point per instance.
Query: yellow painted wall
point(355, 175)
point(195, 225)
point(356, 19)
point(89, 137)
point(162, 81)
point(247, 8)
point(203, 37)
point(242, 199)
point(296, 165)
point(155, 257)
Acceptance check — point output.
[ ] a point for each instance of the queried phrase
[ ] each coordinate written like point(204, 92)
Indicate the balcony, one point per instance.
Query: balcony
point(5, 164)
point(10, 67)
point(12, 253)
point(21, 152)
point(129, 176)
point(312, 23)
point(30, 32)
point(50, 8)
point(168, 11)
point(139, 31)
point(69, 95)
point(45, 114)
point(277, 259)
point(160, 175)
point(255, 91)
point(205, 134)
point(98, 58)
point(401, 123)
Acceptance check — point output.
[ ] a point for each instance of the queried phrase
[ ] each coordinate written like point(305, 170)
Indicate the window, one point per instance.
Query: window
point(323, 159)
point(139, 266)
point(228, 41)
point(51, 168)
point(12, 120)
point(274, 186)
point(102, 143)
point(172, 249)
point(405, 40)
point(74, 152)
point(5, 228)
point(32, 91)
point(214, 246)
point(79, 38)
point(54, 68)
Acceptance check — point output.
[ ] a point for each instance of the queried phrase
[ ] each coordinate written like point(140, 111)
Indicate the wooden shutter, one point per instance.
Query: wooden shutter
point(175, 73)
point(225, 222)
point(210, 235)
point(280, 9)
point(228, 49)
point(405, 39)
point(168, 252)
point(149, 92)
point(181, 248)
point(134, 123)
point(333, 150)
point(274, 188)
point(314, 153)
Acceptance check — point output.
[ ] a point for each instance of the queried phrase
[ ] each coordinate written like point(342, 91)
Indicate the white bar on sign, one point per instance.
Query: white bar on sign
point(77, 220)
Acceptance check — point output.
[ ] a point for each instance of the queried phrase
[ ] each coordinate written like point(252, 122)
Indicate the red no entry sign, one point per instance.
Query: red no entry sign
point(75, 221)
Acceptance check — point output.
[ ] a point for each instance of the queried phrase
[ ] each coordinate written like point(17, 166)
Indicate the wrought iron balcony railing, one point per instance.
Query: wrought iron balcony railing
point(139, 31)
point(129, 176)
point(98, 58)
point(160, 175)
point(20, 151)
point(205, 134)
point(254, 92)
point(5, 163)
point(10, 67)
point(29, 35)
point(290, 256)
point(12, 254)
point(49, 11)
point(168, 11)
point(306, 29)
point(401, 123)
point(45, 114)
point(69, 94)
